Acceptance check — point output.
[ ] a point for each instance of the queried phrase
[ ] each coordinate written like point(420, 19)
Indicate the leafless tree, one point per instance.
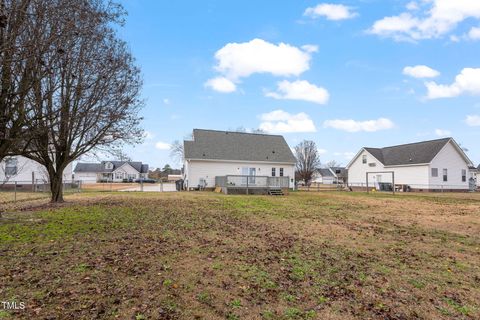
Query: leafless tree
point(308, 160)
point(89, 99)
point(177, 150)
point(332, 164)
point(21, 23)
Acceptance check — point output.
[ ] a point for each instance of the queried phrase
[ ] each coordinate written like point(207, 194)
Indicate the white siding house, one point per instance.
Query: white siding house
point(26, 171)
point(428, 165)
point(214, 154)
point(111, 171)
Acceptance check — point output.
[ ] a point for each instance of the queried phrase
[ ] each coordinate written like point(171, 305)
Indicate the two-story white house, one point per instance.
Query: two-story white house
point(110, 171)
point(26, 171)
point(422, 166)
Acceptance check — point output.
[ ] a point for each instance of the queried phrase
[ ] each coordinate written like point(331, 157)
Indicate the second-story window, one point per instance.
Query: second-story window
point(274, 172)
point(281, 172)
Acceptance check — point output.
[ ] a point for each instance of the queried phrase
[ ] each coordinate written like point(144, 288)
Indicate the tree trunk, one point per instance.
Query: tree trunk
point(56, 186)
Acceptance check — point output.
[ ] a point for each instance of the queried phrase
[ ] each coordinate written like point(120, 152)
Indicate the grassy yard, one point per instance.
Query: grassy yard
point(208, 256)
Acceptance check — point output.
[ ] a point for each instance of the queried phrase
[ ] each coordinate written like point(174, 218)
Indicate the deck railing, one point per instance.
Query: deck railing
point(244, 181)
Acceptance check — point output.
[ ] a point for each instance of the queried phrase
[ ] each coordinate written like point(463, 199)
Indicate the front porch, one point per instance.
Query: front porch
point(244, 184)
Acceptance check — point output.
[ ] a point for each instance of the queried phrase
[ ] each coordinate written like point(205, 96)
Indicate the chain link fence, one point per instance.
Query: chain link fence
point(13, 191)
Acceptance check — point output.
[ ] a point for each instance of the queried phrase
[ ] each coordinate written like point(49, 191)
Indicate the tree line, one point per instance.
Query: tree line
point(68, 84)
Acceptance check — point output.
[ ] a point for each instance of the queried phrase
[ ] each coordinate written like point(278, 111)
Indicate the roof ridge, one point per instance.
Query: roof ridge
point(251, 133)
point(412, 143)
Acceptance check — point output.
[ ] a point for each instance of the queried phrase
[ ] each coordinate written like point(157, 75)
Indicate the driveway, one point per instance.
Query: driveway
point(157, 187)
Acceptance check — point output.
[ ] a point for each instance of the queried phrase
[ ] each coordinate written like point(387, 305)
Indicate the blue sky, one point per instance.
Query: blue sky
point(345, 74)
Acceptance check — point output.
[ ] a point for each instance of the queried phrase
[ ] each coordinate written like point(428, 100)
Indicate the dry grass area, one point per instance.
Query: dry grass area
point(210, 256)
point(107, 186)
point(10, 196)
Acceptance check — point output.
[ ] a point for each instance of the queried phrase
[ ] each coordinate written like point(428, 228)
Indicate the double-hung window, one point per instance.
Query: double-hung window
point(445, 175)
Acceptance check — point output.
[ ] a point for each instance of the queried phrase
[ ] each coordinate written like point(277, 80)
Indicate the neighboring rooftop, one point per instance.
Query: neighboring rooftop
point(411, 153)
point(237, 146)
point(100, 167)
point(325, 172)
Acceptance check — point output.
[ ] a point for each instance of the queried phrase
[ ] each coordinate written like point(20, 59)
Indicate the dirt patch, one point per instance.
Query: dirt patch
point(210, 256)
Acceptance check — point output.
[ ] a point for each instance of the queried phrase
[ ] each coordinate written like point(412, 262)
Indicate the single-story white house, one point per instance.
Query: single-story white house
point(330, 175)
point(26, 171)
point(237, 159)
point(422, 166)
point(110, 171)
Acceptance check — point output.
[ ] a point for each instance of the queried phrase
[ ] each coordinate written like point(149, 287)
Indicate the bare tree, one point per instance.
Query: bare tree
point(89, 100)
point(21, 24)
point(177, 150)
point(308, 160)
point(332, 164)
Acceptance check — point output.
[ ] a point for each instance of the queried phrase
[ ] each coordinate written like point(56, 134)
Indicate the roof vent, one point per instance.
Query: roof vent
point(273, 151)
point(204, 154)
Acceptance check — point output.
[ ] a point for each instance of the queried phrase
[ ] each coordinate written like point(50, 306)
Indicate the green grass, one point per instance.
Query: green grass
point(205, 255)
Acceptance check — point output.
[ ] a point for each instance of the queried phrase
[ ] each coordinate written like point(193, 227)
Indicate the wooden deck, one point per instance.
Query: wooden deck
point(241, 184)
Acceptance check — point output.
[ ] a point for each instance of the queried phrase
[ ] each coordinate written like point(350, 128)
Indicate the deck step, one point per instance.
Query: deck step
point(275, 192)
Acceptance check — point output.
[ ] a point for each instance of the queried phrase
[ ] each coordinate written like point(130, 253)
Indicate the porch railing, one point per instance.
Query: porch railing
point(244, 181)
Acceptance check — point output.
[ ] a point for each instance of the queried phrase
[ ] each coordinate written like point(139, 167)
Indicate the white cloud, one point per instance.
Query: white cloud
point(357, 126)
point(240, 60)
point(412, 5)
point(330, 11)
point(474, 33)
point(437, 18)
point(420, 71)
point(166, 101)
point(162, 145)
point(347, 155)
point(442, 133)
point(221, 84)
point(468, 81)
point(473, 121)
point(300, 90)
point(322, 151)
point(279, 121)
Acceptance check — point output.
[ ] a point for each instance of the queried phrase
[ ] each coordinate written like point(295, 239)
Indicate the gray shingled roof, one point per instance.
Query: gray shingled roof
point(100, 167)
point(325, 173)
point(412, 153)
point(239, 146)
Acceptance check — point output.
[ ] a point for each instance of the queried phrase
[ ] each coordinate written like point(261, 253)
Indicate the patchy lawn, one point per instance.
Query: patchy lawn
point(210, 256)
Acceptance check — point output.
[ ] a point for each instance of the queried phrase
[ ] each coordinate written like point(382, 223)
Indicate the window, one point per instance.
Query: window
point(10, 167)
point(434, 172)
point(108, 165)
point(464, 175)
point(364, 158)
point(281, 172)
point(273, 172)
point(118, 175)
point(337, 171)
point(445, 175)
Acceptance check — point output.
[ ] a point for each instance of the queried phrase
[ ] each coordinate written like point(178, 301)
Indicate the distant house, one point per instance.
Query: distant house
point(424, 166)
point(26, 171)
point(331, 175)
point(110, 171)
point(237, 159)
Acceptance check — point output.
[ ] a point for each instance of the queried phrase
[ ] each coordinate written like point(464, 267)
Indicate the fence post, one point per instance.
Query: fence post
point(161, 185)
point(15, 192)
point(247, 183)
point(141, 185)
